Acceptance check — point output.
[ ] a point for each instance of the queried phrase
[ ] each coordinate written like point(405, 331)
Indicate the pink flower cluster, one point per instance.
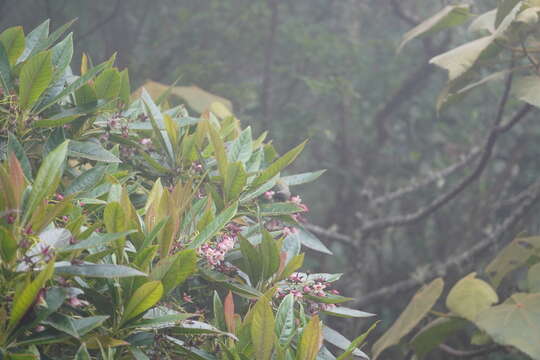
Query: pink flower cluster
point(214, 253)
point(302, 288)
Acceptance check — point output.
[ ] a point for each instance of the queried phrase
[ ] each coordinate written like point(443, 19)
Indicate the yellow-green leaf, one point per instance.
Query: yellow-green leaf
point(13, 41)
point(470, 296)
point(262, 329)
point(311, 340)
point(143, 299)
point(36, 75)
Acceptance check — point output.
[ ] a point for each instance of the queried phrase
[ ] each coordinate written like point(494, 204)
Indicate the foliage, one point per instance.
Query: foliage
point(495, 320)
point(121, 216)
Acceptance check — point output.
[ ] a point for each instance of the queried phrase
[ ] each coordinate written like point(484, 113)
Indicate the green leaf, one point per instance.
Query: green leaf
point(47, 178)
point(533, 278)
point(161, 322)
point(279, 208)
point(269, 253)
point(65, 117)
point(82, 353)
point(242, 147)
point(15, 147)
point(526, 89)
point(340, 341)
point(311, 241)
point(108, 84)
point(303, 178)
point(470, 296)
point(13, 41)
point(513, 256)
point(311, 340)
point(125, 88)
point(215, 225)
point(143, 299)
point(62, 323)
point(36, 36)
point(452, 15)
point(36, 75)
point(172, 271)
point(420, 305)
point(86, 181)
point(5, 71)
point(91, 150)
point(235, 181)
point(262, 329)
point(277, 166)
point(96, 240)
point(25, 298)
point(219, 150)
point(514, 323)
point(435, 333)
point(81, 81)
point(107, 271)
point(285, 326)
point(484, 23)
point(8, 246)
point(62, 54)
point(346, 312)
point(504, 8)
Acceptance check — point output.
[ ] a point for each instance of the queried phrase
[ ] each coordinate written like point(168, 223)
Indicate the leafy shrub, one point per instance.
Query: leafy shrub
point(130, 229)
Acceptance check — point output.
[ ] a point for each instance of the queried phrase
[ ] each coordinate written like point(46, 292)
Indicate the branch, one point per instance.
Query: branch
point(530, 195)
point(424, 212)
point(419, 183)
point(400, 13)
point(469, 353)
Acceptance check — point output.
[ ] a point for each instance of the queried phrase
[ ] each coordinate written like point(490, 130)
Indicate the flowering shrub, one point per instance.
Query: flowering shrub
point(130, 229)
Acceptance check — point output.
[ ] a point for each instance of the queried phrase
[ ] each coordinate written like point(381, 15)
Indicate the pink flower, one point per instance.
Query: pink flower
point(39, 328)
point(269, 195)
point(296, 199)
point(76, 302)
point(146, 141)
point(297, 294)
point(187, 298)
point(289, 231)
point(59, 197)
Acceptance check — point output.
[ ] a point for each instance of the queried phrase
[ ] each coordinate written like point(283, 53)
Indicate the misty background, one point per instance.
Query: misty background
point(328, 70)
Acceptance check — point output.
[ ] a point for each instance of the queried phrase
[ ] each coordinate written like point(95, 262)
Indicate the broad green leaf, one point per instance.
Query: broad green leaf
point(36, 75)
point(277, 166)
point(513, 256)
point(303, 178)
point(62, 323)
point(235, 181)
point(108, 84)
point(91, 150)
point(13, 41)
point(192, 351)
point(262, 329)
point(25, 298)
point(311, 241)
point(230, 283)
point(420, 305)
point(219, 150)
point(161, 322)
point(62, 54)
point(269, 253)
point(484, 23)
point(435, 333)
point(125, 88)
point(96, 240)
point(526, 89)
point(451, 15)
point(285, 326)
point(219, 316)
point(47, 178)
point(216, 225)
point(533, 278)
point(198, 327)
point(311, 340)
point(242, 147)
point(98, 271)
point(514, 323)
point(87, 180)
point(470, 296)
point(34, 38)
point(143, 299)
point(172, 271)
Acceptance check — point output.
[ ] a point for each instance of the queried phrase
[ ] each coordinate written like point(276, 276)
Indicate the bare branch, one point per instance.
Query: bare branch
point(424, 212)
point(530, 196)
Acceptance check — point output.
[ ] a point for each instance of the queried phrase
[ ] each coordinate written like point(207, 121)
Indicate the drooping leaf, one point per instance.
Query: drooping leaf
point(526, 89)
point(303, 178)
point(418, 307)
point(36, 75)
point(343, 311)
point(451, 15)
point(470, 296)
point(98, 271)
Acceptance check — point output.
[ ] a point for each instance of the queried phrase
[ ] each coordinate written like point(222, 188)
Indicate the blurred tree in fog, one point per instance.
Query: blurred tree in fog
point(404, 186)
